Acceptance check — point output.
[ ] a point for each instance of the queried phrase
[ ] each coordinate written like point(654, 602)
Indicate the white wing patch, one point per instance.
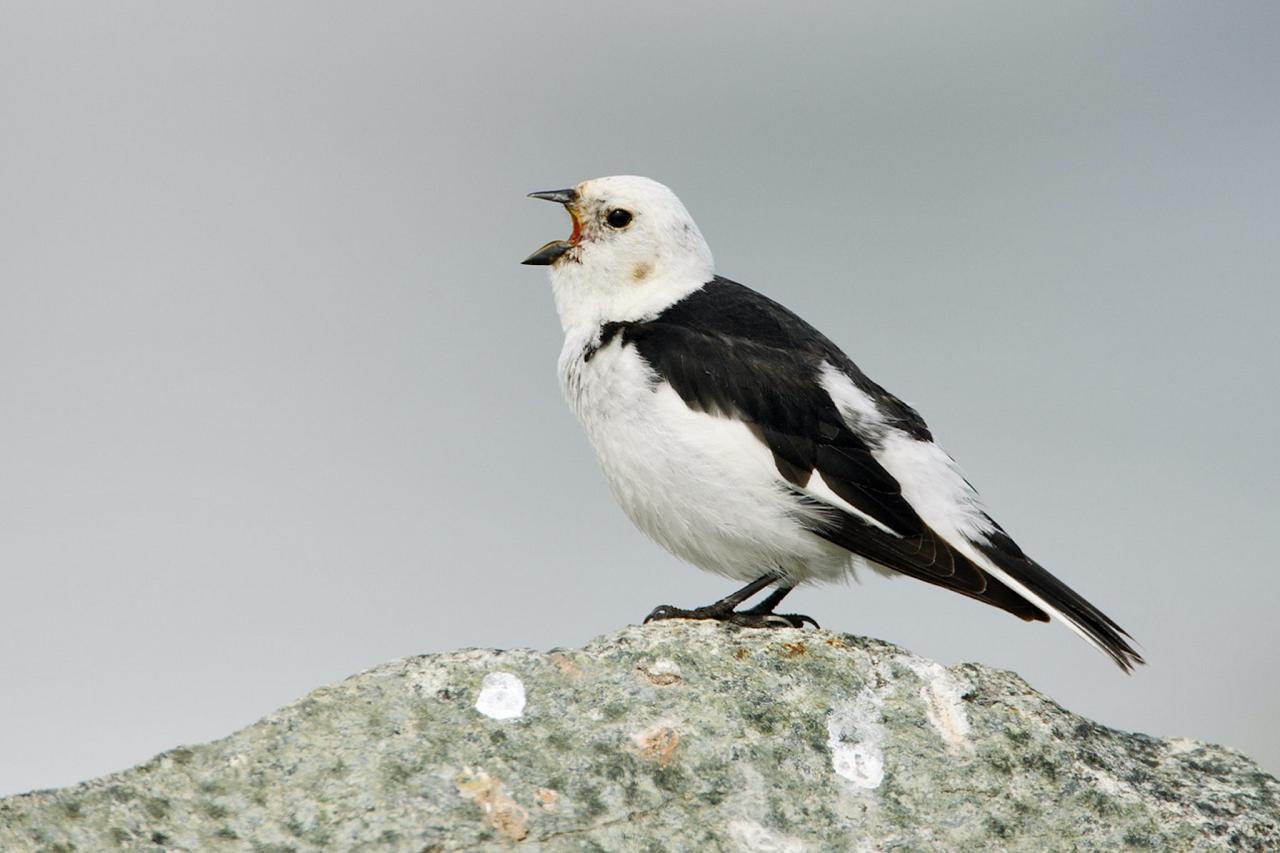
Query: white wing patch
point(933, 485)
point(856, 406)
point(862, 416)
point(930, 480)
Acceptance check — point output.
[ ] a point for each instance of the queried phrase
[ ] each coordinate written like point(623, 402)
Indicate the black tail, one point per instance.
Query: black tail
point(1096, 625)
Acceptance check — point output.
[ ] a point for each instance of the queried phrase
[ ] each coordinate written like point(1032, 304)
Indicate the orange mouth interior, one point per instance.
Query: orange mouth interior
point(577, 227)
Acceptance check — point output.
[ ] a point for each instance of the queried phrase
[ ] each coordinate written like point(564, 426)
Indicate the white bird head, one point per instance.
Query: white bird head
point(634, 250)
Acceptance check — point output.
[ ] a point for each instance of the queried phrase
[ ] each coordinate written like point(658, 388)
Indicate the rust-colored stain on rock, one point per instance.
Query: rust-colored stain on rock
point(566, 665)
point(548, 798)
point(503, 813)
point(657, 743)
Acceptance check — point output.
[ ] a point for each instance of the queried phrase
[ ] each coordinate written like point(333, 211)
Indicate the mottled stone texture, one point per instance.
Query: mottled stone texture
point(676, 736)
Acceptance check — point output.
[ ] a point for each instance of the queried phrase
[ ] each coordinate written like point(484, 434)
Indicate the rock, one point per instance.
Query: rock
point(675, 736)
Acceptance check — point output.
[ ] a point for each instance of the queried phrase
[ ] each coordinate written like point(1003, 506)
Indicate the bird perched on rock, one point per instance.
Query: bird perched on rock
point(744, 441)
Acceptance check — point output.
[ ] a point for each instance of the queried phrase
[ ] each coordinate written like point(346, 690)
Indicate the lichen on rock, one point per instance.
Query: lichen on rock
point(673, 736)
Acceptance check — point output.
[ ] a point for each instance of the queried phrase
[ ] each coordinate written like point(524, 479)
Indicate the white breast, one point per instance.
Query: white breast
point(702, 486)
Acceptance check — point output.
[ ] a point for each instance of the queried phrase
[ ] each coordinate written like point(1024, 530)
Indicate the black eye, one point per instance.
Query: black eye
point(618, 218)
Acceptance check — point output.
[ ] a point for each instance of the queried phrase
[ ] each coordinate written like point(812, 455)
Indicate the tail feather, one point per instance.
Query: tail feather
point(1006, 561)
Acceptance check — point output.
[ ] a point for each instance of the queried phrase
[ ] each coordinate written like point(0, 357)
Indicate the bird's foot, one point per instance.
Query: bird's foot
point(753, 618)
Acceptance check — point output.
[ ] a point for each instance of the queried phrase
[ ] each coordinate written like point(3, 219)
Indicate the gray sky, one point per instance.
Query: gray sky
point(279, 403)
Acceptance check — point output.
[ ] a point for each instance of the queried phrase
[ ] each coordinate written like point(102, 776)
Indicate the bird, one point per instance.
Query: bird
point(742, 440)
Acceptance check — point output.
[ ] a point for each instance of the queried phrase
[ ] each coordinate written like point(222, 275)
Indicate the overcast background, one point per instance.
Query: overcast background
point(278, 403)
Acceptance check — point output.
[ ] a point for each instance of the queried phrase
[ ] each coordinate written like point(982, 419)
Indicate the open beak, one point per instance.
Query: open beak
point(552, 251)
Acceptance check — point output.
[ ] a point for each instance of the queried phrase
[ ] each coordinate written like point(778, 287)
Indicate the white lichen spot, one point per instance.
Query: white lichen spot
point(855, 736)
point(943, 703)
point(501, 696)
point(749, 835)
point(1181, 745)
point(1108, 784)
point(662, 672)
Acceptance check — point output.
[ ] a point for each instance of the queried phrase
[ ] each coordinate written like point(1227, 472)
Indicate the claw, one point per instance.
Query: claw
point(799, 620)
point(747, 619)
point(662, 611)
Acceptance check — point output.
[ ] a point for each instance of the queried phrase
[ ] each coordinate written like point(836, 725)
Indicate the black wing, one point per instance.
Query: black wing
point(729, 351)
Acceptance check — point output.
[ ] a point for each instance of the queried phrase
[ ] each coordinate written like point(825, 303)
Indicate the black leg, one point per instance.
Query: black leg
point(774, 599)
point(733, 599)
point(766, 608)
point(760, 616)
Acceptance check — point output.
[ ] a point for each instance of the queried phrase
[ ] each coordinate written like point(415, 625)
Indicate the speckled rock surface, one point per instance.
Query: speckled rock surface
point(678, 736)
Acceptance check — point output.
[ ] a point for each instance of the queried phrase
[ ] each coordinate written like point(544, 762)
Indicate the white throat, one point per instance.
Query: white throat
point(586, 301)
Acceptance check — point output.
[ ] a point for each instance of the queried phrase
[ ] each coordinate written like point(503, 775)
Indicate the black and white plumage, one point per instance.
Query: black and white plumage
point(744, 441)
